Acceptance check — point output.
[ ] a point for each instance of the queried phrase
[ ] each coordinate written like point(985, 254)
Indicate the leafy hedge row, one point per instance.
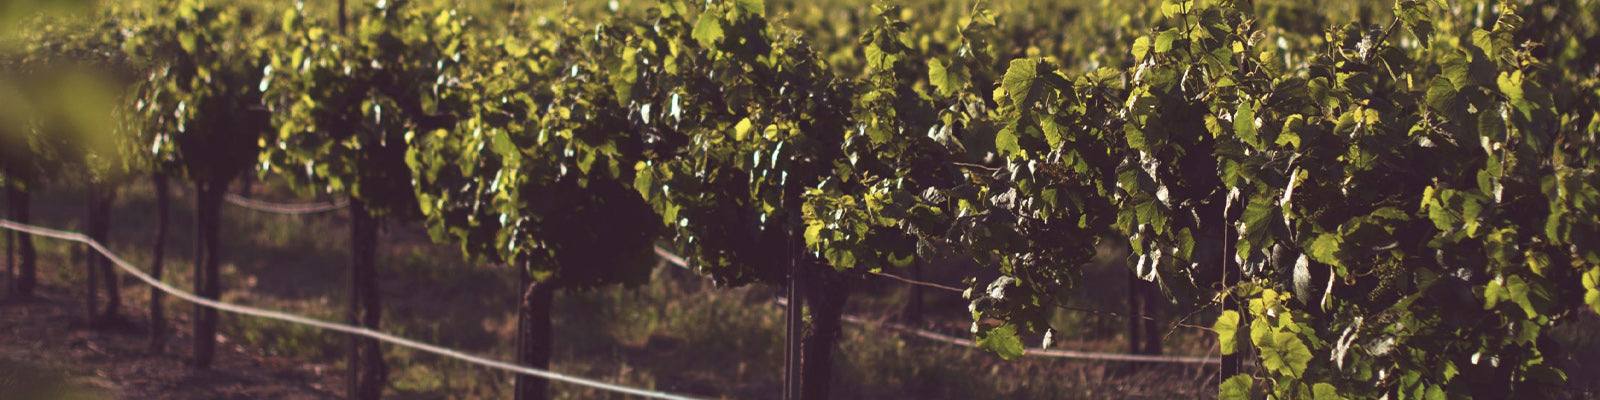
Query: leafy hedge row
point(1400, 206)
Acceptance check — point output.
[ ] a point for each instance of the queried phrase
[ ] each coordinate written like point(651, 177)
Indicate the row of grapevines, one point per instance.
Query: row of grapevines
point(1364, 202)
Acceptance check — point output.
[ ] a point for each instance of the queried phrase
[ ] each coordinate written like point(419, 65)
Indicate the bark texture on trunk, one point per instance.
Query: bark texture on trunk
point(91, 259)
point(101, 199)
point(367, 372)
point(912, 313)
point(534, 335)
point(11, 250)
point(1151, 299)
point(27, 277)
point(826, 292)
point(794, 324)
point(1144, 337)
point(158, 319)
point(1135, 328)
point(207, 264)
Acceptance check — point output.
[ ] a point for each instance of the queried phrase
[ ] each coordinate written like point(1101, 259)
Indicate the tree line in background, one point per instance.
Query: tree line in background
point(1401, 205)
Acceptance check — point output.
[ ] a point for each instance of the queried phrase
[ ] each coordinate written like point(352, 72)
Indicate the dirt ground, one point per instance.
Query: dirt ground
point(47, 353)
point(677, 333)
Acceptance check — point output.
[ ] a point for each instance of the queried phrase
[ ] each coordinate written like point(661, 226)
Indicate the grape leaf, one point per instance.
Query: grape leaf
point(1019, 79)
point(1227, 327)
point(1002, 340)
point(1005, 142)
point(708, 30)
point(1237, 387)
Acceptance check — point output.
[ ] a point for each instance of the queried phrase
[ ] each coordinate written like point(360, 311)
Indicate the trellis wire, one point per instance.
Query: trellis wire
point(354, 330)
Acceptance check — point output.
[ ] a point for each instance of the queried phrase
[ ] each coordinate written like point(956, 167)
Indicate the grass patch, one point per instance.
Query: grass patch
point(23, 381)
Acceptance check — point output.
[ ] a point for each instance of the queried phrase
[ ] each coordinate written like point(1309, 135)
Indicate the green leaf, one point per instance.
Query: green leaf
point(814, 235)
point(1484, 40)
point(1537, 261)
point(742, 130)
point(1517, 291)
point(1164, 42)
point(515, 48)
point(1213, 125)
point(644, 180)
point(939, 77)
point(186, 40)
point(879, 135)
point(752, 7)
point(1019, 78)
point(949, 80)
point(1591, 286)
point(1493, 294)
point(878, 60)
point(1326, 249)
point(1490, 124)
point(1511, 84)
point(1297, 356)
point(1434, 392)
point(1284, 352)
point(1136, 137)
point(1005, 143)
point(1227, 327)
point(1001, 340)
point(840, 258)
point(1414, 14)
point(1150, 212)
point(1325, 391)
point(1052, 132)
point(1141, 47)
point(708, 30)
point(1456, 68)
point(1237, 387)
point(1244, 124)
point(1441, 95)
point(1438, 204)
point(502, 144)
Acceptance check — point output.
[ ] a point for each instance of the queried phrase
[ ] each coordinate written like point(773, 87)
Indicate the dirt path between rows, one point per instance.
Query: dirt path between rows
point(43, 344)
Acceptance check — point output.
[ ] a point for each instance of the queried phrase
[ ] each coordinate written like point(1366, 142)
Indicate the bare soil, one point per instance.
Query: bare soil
point(47, 352)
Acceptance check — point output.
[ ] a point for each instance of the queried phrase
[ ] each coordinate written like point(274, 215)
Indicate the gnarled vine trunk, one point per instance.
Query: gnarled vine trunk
point(367, 374)
point(793, 322)
point(26, 277)
point(101, 271)
point(534, 335)
point(911, 314)
point(208, 205)
point(11, 238)
point(1144, 337)
point(826, 291)
point(158, 319)
point(90, 258)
